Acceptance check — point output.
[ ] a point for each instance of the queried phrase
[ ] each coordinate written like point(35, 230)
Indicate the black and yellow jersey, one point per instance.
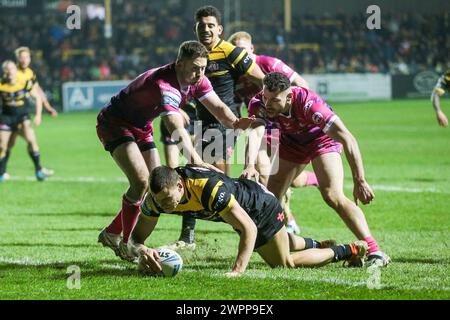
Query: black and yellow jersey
point(28, 76)
point(209, 195)
point(14, 97)
point(226, 64)
point(443, 83)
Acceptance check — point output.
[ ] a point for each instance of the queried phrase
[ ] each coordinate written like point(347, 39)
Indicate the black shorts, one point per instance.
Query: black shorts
point(263, 208)
point(12, 122)
point(217, 142)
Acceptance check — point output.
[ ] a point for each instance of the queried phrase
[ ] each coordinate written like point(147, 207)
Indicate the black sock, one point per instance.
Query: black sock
point(311, 243)
point(36, 158)
point(8, 153)
point(342, 252)
point(188, 229)
point(3, 165)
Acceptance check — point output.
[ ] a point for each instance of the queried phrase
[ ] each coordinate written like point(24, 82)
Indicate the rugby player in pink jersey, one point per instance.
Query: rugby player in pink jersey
point(244, 91)
point(311, 132)
point(125, 129)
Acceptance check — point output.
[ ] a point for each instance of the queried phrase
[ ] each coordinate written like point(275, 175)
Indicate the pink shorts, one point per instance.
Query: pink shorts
point(113, 132)
point(305, 153)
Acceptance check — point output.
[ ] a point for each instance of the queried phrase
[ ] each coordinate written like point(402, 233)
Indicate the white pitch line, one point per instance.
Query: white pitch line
point(328, 280)
point(73, 179)
point(124, 180)
point(26, 261)
point(409, 190)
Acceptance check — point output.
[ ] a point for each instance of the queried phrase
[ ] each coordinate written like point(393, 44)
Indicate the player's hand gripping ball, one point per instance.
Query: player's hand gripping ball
point(170, 261)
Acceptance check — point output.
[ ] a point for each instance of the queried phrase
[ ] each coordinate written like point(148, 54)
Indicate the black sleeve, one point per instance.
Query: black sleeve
point(240, 61)
point(216, 197)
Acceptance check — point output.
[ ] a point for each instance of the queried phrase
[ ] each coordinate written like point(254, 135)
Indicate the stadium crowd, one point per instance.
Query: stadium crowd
point(144, 34)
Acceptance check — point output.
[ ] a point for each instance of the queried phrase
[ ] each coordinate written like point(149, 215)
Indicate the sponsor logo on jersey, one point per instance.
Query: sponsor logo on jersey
point(308, 105)
point(171, 98)
point(286, 69)
point(317, 117)
point(212, 66)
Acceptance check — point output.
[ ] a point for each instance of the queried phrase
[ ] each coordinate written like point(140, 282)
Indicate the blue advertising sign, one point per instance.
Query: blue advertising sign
point(93, 95)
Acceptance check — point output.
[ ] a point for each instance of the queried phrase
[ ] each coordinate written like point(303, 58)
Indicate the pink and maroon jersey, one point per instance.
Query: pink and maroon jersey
point(155, 92)
point(309, 117)
point(245, 89)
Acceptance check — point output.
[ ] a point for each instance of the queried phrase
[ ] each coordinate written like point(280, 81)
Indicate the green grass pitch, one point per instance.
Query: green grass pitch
point(47, 227)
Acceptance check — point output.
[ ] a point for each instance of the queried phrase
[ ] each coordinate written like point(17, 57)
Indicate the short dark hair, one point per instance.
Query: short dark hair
point(163, 177)
point(276, 81)
point(208, 11)
point(192, 50)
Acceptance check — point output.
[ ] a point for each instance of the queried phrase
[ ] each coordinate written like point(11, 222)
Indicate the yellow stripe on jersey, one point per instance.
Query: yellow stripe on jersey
point(217, 55)
point(252, 66)
point(439, 91)
point(221, 51)
point(213, 193)
point(29, 76)
point(229, 206)
point(206, 196)
point(13, 95)
point(239, 58)
point(218, 73)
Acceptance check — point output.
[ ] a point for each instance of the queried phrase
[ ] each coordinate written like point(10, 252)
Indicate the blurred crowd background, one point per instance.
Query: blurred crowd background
point(147, 34)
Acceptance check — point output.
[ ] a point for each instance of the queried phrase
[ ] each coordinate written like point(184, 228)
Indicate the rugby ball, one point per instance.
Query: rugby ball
point(171, 262)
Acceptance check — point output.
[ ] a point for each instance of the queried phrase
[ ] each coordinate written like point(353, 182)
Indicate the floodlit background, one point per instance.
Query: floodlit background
point(378, 81)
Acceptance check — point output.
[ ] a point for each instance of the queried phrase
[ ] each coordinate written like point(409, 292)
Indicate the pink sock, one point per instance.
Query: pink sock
point(373, 246)
point(130, 213)
point(116, 225)
point(311, 179)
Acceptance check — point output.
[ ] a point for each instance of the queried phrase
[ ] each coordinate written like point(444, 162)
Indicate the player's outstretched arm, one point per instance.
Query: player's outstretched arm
point(46, 104)
point(299, 81)
point(256, 76)
point(38, 117)
point(148, 258)
point(253, 144)
point(361, 189)
point(440, 116)
point(240, 221)
point(222, 113)
point(174, 123)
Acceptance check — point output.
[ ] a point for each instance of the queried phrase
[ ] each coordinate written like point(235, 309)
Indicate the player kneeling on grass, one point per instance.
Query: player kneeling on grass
point(247, 206)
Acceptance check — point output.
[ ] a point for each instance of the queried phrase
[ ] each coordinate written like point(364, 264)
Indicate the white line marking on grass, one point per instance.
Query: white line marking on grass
point(73, 179)
point(328, 280)
point(409, 190)
point(124, 180)
point(27, 261)
point(114, 266)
